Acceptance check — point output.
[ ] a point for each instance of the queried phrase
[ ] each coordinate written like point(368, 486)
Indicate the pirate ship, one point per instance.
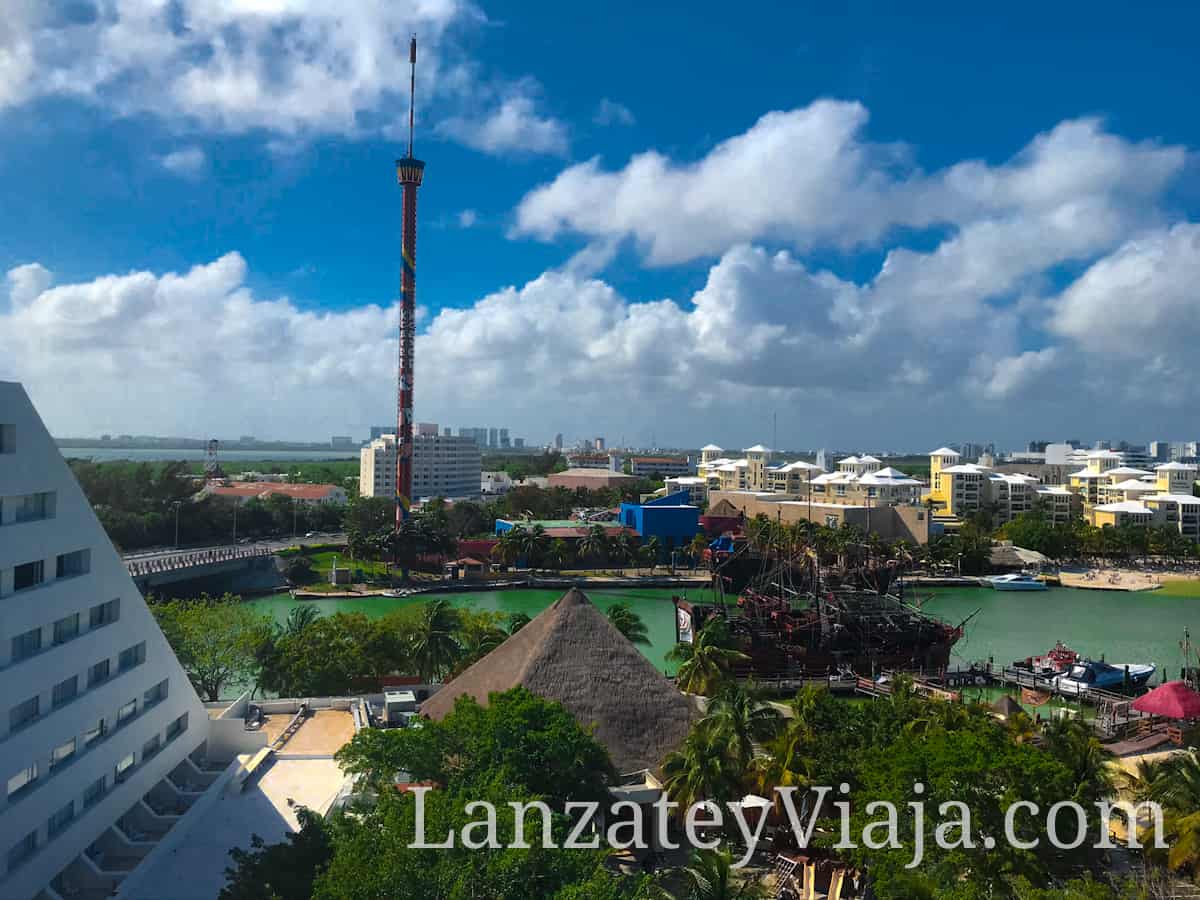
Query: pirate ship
point(801, 618)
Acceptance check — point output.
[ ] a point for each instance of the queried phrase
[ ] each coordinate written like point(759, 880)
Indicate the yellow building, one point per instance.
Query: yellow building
point(1175, 478)
point(1128, 512)
point(1181, 511)
point(941, 488)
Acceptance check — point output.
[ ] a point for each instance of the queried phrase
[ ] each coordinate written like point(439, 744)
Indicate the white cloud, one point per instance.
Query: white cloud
point(292, 68)
point(186, 162)
point(1140, 302)
point(200, 352)
point(514, 127)
point(808, 177)
point(610, 112)
point(467, 218)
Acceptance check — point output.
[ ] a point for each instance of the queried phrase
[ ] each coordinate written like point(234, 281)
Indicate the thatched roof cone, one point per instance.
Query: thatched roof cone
point(1006, 706)
point(571, 653)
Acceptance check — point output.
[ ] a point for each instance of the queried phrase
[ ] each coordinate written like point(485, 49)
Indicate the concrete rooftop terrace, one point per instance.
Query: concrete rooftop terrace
point(189, 864)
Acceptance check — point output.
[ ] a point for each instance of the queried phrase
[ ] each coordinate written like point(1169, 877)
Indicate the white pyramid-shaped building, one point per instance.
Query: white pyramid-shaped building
point(94, 707)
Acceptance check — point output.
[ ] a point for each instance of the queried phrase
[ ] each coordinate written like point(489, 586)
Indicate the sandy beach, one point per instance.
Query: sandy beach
point(1120, 579)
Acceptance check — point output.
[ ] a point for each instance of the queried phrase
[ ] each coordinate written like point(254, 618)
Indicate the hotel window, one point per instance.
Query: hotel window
point(27, 644)
point(24, 713)
point(65, 691)
point(22, 780)
point(124, 764)
point(61, 754)
point(66, 628)
point(151, 747)
point(178, 727)
point(69, 565)
point(94, 792)
point(8, 438)
point(98, 673)
point(155, 694)
point(22, 850)
point(131, 657)
point(29, 575)
point(95, 733)
point(104, 613)
point(32, 507)
point(61, 819)
point(126, 712)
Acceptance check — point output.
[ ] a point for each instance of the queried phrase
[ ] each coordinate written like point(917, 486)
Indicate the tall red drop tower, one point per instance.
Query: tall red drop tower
point(409, 172)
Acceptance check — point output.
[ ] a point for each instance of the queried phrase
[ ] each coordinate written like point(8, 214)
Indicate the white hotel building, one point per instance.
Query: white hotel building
point(443, 466)
point(95, 710)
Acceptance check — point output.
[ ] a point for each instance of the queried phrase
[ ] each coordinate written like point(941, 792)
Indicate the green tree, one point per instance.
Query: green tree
point(283, 871)
point(525, 741)
point(629, 623)
point(707, 663)
point(435, 644)
point(700, 769)
point(215, 639)
point(594, 544)
point(710, 876)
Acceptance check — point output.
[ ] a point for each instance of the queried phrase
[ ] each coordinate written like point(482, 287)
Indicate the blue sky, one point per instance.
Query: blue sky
point(892, 228)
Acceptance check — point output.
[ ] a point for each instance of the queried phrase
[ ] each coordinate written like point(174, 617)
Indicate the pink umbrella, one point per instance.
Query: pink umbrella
point(1173, 700)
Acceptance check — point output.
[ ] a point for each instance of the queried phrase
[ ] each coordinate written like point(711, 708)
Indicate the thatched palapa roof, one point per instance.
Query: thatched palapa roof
point(571, 653)
point(1006, 706)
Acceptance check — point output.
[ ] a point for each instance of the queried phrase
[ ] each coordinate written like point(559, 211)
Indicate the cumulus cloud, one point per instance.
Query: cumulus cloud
point(809, 177)
point(186, 162)
point(515, 127)
point(467, 218)
point(610, 112)
point(200, 352)
point(1139, 302)
point(291, 68)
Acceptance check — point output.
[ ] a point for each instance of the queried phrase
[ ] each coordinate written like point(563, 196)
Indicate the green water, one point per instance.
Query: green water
point(1124, 627)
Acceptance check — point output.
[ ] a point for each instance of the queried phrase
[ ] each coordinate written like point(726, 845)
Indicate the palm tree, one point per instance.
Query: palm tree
point(507, 547)
point(594, 544)
point(517, 621)
point(533, 542)
point(558, 557)
point(1175, 784)
point(699, 770)
point(742, 719)
point(435, 646)
point(710, 876)
point(628, 622)
point(300, 618)
point(653, 547)
point(708, 662)
point(697, 547)
point(1076, 747)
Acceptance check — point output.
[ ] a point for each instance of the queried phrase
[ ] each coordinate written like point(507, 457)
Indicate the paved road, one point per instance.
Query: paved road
point(272, 545)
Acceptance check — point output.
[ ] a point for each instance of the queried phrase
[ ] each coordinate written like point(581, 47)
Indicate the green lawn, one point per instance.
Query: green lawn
point(1181, 588)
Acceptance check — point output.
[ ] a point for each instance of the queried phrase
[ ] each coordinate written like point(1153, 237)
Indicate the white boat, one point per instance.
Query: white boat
point(1105, 676)
point(1015, 582)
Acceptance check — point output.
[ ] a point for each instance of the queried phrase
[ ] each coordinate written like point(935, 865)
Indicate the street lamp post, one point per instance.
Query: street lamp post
point(236, 504)
point(177, 504)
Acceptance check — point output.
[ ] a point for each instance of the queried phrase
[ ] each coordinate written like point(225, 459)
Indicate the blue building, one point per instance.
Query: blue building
point(671, 519)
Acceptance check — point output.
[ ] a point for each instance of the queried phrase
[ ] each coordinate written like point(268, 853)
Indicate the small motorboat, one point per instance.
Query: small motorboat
point(1056, 661)
point(1015, 582)
point(1090, 673)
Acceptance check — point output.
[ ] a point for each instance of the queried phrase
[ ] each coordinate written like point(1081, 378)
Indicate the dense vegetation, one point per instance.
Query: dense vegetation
point(226, 647)
point(140, 504)
point(519, 748)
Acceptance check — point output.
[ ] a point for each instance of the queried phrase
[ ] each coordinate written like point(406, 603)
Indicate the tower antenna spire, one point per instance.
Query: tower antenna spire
point(412, 89)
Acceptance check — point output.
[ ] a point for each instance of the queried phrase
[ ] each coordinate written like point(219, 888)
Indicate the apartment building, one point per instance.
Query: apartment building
point(664, 466)
point(443, 466)
point(95, 710)
point(696, 487)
